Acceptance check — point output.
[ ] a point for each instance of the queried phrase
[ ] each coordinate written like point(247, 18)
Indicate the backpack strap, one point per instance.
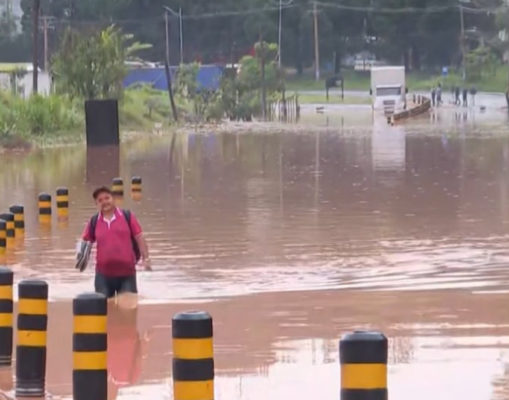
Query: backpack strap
point(127, 216)
point(136, 247)
point(92, 226)
point(95, 218)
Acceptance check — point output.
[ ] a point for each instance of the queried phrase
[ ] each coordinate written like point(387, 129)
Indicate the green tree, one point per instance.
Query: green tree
point(417, 37)
point(7, 23)
point(259, 78)
point(480, 61)
point(266, 55)
point(93, 66)
point(419, 33)
point(13, 47)
point(205, 104)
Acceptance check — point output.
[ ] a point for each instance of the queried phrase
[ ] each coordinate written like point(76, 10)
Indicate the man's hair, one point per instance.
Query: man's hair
point(101, 190)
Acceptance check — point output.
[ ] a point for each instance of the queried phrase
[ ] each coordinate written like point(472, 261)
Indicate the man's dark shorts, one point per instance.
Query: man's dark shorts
point(111, 286)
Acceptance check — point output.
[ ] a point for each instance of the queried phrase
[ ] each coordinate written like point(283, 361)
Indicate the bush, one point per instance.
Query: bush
point(199, 103)
point(93, 66)
point(241, 92)
point(142, 106)
point(50, 115)
point(38, 116)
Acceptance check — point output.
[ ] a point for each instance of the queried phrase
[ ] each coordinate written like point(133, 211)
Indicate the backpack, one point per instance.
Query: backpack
point(127, 216)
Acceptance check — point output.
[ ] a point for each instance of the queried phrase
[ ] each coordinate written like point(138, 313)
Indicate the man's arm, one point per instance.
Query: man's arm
point(83, 249)
point(137, 232)
point(85, 236)
point(142, 244)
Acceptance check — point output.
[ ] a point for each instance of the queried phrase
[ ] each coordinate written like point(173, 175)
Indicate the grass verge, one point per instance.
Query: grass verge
point(416, 81)
point(57, 120)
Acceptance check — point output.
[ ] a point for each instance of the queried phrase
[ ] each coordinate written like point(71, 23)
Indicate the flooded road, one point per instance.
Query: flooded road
point(290, 240)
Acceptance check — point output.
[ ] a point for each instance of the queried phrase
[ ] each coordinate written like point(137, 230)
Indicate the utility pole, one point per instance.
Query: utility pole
point(167, 37)
point(264, 91)
point(45, 30)
point(71, 14)
point(8, 14)
point(280, 32)
point(36, 7)
point(46, 21)
point(181, 37)
point(167, 67)
point(317, 50)
point(463, 51)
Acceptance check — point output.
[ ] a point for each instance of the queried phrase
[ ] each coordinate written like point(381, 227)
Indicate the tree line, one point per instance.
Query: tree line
point(422, 34)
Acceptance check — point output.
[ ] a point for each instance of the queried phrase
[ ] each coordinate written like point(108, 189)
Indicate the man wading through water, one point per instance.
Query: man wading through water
point(120, 245)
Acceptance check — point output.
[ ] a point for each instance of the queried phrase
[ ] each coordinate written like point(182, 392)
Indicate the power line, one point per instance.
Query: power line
point(99, 20)
point(207, 15)
point(403, 10)
point(409, 10)
point(269, 9)
point(233, 13)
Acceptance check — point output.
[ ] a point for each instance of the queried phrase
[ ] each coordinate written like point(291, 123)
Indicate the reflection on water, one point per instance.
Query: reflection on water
point(288, 342)
point(6, 379)
point(125, 349)
point(290, 240)
point(103, 164)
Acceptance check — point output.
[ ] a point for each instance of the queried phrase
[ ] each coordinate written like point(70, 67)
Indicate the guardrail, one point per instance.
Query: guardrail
point(421, 104)
point(287, 110)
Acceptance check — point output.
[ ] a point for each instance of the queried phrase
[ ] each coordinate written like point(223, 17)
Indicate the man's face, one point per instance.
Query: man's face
point(105, 202)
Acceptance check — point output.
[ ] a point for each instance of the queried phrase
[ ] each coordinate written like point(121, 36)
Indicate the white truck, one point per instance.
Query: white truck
point(388, 89)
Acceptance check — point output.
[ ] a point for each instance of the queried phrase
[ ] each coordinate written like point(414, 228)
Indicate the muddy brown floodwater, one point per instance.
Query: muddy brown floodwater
point(290, 240)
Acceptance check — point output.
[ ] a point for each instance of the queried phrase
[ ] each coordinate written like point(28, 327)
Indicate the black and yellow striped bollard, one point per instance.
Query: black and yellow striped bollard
point(31, 339)
point(117, 188)
point(363, 357)
point(44, 208)
point(19, 219)
point(62, 203)
point(193, 356)
point(9, 228)
point(136, 188)
point(3, 237)
point(90, 375)
point(136, 183)
point(6, 280)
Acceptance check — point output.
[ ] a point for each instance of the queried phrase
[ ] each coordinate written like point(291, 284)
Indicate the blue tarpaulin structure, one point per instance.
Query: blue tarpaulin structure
point(209, 77)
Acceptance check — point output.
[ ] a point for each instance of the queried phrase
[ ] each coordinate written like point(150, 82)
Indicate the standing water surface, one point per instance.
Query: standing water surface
point(290, 240)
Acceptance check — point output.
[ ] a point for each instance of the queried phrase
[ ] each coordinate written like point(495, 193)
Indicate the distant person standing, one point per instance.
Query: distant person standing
point(457, 94)
point(473, 92)
point(465, 97)
point(433, 96)
point(507, 96)
point(439, 94)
